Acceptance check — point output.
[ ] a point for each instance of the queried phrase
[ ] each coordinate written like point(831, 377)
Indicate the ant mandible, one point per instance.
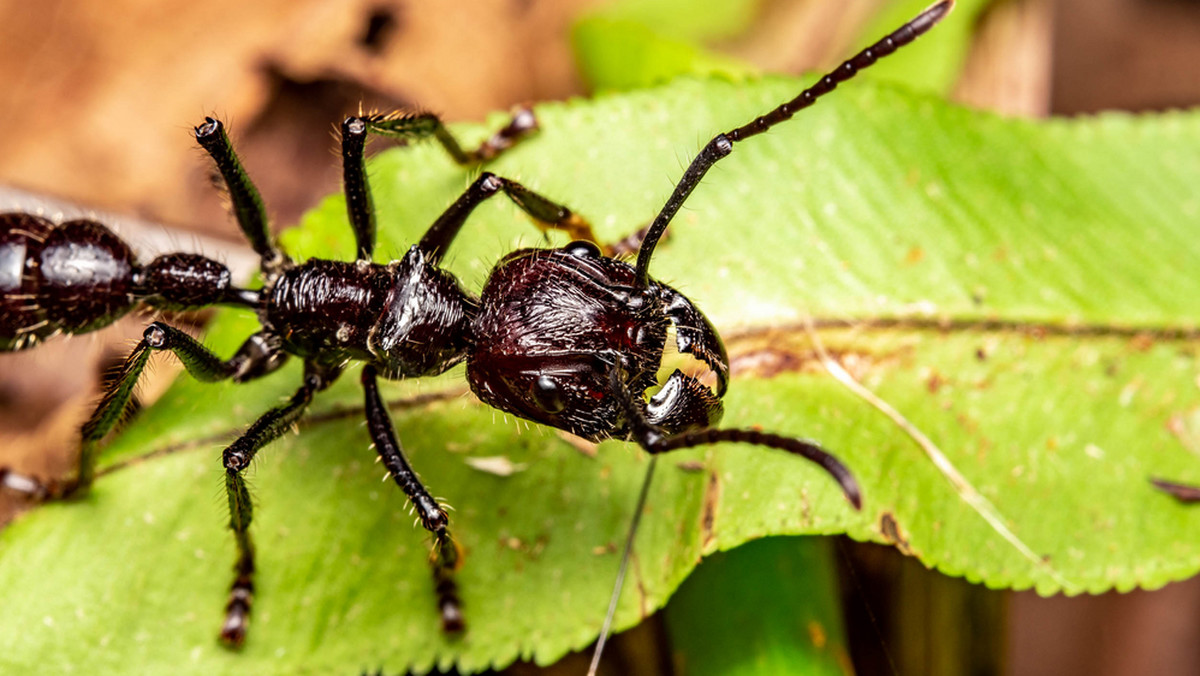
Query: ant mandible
point(571, 337)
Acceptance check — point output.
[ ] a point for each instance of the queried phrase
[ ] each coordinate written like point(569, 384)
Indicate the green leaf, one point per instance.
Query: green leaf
point(686, 21)
point(937, 67)
point(1023, 292)
point(768, 607)
point(640, 44)
point(616, 54)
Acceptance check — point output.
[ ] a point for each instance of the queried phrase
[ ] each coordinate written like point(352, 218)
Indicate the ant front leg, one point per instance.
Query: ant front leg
point(258, 356)
point(446, 555)
point(354, 176)
point(545, 213)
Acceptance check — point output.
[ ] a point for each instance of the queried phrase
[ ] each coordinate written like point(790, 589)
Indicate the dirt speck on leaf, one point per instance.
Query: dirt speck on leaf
point(890, 529)
point(1142, 342)
point(816, 634)
point(708, 516)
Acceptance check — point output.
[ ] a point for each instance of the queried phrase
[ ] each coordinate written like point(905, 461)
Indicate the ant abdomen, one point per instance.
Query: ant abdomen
point(80, 276)
point(22, 319)
point(71, 278)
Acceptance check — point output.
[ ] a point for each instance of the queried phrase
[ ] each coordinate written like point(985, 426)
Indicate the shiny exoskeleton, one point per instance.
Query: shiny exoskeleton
point(571, 337)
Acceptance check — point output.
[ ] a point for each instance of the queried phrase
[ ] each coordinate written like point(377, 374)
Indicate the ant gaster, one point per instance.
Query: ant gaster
point(571, 337)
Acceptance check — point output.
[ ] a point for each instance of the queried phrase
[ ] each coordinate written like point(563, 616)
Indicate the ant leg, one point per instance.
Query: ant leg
point(236, 458)
point(545, 214)
point(627, 245)
point(359, 205)
point(722, 144)
point(258, 356)
point(446, 556)
point(422, 125)
point(247, 202)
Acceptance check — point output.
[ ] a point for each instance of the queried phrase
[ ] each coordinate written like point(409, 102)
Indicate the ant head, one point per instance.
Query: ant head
point(554, 325)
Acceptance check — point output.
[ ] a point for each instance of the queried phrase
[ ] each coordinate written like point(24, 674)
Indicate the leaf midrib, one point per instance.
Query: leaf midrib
point(738, 343)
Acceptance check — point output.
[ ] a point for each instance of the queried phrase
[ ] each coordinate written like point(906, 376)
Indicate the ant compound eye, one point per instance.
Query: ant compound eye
point(582, 249)
point(548, 395)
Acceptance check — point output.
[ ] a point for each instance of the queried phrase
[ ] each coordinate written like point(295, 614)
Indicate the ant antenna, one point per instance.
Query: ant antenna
point(806, 449)
point(654, 443)
point(625, 554)
point(801, 447)
point(722, 144)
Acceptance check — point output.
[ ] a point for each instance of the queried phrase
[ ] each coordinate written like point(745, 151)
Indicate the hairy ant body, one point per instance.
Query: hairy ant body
point(571, 337)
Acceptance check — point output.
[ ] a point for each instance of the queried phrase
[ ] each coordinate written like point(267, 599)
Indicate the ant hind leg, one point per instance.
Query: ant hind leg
point(258, 356)
point(247, 203)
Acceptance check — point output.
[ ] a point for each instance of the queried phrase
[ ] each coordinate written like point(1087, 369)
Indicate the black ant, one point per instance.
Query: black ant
point(572, 337)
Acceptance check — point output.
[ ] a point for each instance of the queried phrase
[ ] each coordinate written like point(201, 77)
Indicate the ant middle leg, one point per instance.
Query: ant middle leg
point(445, 556)
point(257, 356)
point(422, 125)
point(236, 458)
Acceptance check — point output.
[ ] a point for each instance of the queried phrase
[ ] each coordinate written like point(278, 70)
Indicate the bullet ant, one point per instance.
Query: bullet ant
point(570, 337)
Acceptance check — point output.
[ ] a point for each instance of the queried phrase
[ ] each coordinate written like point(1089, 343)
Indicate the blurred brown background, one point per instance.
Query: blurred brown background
point(99, 97)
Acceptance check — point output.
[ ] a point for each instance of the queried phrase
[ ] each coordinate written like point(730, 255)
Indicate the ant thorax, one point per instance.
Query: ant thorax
point(409, 318)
